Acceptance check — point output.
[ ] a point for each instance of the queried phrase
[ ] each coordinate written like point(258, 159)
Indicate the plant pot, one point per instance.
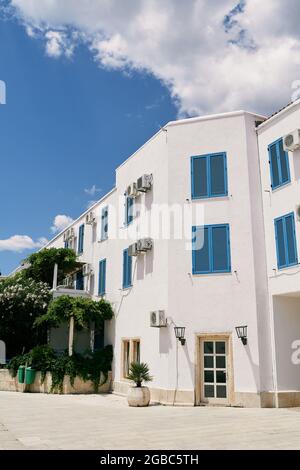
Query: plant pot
point(138, 396)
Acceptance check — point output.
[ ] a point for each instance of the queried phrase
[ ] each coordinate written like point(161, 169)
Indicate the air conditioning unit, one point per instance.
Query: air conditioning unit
point(90, 218)
point(132, 190)
point(291, 142)
point(158, 319)
point(87, 270)
point(144, 183)
point(132, 250)
point(145, 244)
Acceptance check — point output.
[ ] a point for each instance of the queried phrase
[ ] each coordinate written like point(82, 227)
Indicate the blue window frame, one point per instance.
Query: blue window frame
point(104, 223)
point(211, 249)
point(128, 210)
point(286, 242)
point(81, 238)
point(102, 277)
point(66, 244)
point(279, 164)
point(79, 281)
point(127, 269)
point(209, 176)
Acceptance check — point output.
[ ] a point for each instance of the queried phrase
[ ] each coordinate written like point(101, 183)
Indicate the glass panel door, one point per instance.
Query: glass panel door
point(214, 371)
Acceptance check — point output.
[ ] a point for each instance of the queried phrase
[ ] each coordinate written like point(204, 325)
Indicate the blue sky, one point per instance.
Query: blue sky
point(78, 73)
point(58, 132)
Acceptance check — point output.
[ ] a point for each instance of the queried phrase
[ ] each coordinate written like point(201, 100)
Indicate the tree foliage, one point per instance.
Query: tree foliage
point(22, 301)
point(41, 264)
point(83, 310)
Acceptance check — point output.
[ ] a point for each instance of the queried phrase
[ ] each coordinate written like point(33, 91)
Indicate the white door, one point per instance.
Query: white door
point(214, 371)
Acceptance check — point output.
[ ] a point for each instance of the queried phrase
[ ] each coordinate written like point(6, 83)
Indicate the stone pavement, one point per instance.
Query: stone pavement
point(38, 421)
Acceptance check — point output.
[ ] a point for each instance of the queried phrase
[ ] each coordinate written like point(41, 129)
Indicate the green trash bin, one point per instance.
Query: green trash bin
point(21, 374)
point(29, 376)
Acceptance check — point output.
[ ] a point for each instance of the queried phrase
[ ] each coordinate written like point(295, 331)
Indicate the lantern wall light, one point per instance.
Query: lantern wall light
point(180, 333)
point(241, 332)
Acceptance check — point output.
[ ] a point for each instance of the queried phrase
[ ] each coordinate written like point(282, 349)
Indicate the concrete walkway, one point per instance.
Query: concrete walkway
point(37, 421)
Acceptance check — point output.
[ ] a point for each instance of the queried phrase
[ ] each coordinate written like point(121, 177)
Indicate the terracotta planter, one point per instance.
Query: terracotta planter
point(138, 396)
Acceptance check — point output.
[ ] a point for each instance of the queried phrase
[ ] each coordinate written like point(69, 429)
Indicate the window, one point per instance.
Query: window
point(279, 164)
point(102, 277)
point(130, 353)
point(286, 244)
point(104, 223)
point(81, 238)
point(79, 281)
point(128, 210)
point(209, 176)
point(211, 249)
point(126, 358)
point(136, 357)
point(127, 269)
point(66, 244)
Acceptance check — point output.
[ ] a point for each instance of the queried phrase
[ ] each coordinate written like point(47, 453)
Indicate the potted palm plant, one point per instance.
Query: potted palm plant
point(139, 395)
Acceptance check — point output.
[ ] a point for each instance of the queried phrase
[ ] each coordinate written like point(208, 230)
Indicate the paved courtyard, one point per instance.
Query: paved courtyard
point(37, 421)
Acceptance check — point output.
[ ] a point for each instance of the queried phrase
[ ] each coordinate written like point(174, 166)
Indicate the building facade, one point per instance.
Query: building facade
point(218, 241)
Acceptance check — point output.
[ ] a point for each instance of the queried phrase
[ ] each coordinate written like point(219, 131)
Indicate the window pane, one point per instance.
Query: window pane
point(221, 362)
point(280, 243)
point(201, 250)
point(220, 249)
point(217, 175)
point(209, 376)
point(220, 347)
point(290, 236)
point(284, 162)
point(274, 166)
point(221, 377)
point(200, 177)
point(221, 391)
point(209, 391)
point(208, 347)
point(209, 362)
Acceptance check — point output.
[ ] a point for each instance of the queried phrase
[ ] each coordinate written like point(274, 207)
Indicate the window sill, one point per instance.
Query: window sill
point(289, 266)
point(218, 273)
point(127, 287)
point(211, 198)
point(102, 240)
point(281, 186)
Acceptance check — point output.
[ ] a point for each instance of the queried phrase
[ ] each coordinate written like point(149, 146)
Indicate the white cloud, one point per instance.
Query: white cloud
point(19, 243)
point(93, 190)
point(213, 55)
point(60, 222)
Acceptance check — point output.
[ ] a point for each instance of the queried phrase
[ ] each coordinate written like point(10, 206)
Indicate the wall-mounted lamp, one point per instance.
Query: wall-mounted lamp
point(241, 332)
point(179, 333)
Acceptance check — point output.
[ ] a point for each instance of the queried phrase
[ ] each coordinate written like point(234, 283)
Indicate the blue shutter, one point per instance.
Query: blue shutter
point(220, 248)
point(104, 223)
point(279, 164)
point(201, 262)
point(199, 169)
point(286, 242)
point(80, 238)
point(127, 269)
point(218, 175)
point(291, 243)
point(211, 249)
point(102, 277)
point(209, 176)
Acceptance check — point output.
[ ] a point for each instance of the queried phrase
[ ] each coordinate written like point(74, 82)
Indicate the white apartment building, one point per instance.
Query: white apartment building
point(241, 269)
